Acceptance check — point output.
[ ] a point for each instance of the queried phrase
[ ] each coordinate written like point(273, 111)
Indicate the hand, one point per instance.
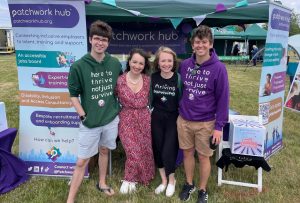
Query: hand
point(83, 118)
point(217, 136)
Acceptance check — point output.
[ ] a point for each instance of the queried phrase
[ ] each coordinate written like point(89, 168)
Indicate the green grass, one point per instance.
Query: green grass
point(280, 185)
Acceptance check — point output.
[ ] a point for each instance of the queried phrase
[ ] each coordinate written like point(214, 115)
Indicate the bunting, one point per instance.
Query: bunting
point(220, 7)
point(136, 13)
point(109, 2)
point(241, 3)
point(199, 19)
point(175, 21)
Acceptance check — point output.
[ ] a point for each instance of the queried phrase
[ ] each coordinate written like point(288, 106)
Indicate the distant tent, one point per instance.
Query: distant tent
point(228, 32)
point(255, 32)
point(256, 11)
point(225, 38)
point(6, 34)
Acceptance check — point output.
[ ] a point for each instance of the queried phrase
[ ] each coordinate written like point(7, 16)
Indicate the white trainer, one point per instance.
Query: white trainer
point(161, 188)
point(132, 187)
point(170, 189)
point(124, 187)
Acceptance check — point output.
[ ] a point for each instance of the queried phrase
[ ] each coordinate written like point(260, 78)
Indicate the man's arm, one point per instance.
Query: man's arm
point(222, 97)
point(77, 106)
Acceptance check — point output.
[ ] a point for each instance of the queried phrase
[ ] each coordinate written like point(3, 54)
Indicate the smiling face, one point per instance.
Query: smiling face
point(137, 64)
point(201, 47)
point(166, 62)
point(99, 44)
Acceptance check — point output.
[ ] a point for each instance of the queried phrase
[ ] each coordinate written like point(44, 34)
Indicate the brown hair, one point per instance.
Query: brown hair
point(100, 28)
point(165, 50)
point(143, 54)
point(201, 32)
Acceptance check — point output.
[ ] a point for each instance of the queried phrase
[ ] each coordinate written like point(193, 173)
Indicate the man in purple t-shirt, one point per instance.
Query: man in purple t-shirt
point(203, 109)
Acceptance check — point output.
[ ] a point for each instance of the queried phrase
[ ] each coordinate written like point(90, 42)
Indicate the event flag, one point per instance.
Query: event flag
point(49, 37)
point(272, 82)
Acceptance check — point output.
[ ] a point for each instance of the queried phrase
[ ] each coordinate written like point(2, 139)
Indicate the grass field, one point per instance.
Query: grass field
point(280, 185)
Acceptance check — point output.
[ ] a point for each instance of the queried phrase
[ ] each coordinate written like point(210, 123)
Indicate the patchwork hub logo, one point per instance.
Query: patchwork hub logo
point(53, 154)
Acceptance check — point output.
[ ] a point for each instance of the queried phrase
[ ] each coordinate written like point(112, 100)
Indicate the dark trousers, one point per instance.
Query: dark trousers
point(164, 139)
point(254, 62)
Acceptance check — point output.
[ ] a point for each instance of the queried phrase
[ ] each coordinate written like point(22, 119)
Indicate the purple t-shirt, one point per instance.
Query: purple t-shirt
point(205, 94)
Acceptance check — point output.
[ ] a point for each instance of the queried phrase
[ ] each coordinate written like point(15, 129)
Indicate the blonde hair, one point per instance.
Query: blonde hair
point(168, 50)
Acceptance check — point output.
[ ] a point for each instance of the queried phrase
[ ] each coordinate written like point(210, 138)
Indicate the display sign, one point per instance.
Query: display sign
point(272, 82)
point(49, 37)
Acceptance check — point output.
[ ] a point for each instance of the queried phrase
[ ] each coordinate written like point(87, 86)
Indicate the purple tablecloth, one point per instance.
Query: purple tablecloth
point(12, 169)
point(7, 138)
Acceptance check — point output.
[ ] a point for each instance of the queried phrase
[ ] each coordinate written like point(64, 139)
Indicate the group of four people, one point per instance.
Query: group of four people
point(187, 108)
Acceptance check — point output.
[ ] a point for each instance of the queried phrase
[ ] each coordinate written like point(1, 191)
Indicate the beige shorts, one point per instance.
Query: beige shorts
point(195, 134)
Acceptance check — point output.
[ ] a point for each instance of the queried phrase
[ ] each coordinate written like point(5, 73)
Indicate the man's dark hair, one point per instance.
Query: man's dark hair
point(201, 32)
point(100, 28)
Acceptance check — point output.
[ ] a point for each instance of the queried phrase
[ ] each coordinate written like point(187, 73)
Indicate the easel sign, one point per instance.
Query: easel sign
point(3, 121)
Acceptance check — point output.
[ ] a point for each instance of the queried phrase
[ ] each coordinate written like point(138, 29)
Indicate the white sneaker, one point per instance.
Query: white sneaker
point(160, 189)
point(124, 187)
point(132, 187)
point(70, 181)
point(170, 189)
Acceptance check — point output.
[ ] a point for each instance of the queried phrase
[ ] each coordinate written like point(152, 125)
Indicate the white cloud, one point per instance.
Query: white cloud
point(4, 14)
point(292, 4)
point(3, 4)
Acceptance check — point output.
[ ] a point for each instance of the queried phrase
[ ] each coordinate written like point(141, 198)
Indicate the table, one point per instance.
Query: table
point(224, 144)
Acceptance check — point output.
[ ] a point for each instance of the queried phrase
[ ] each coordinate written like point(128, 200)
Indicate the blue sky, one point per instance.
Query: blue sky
point(4, 14)
point(293, 4)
